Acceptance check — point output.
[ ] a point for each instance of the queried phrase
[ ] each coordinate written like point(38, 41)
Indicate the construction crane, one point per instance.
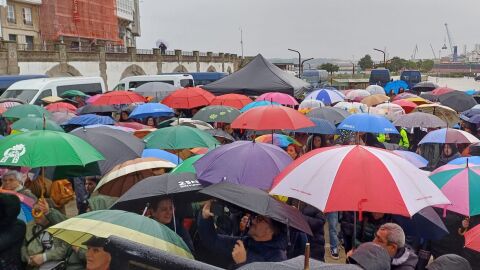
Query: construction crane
point(453, 48)
point(433, 51)
point(415, 51)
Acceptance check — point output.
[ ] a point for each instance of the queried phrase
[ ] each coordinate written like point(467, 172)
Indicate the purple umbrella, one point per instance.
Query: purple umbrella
point(246, 163)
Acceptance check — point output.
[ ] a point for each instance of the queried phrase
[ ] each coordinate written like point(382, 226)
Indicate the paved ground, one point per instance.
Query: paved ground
point(329, 258)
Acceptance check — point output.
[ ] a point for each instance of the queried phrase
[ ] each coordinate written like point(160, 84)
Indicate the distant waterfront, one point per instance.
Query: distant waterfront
point(456, 83)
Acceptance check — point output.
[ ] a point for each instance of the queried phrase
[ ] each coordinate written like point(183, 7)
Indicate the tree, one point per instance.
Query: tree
point(366, 62)
point(329, 67)
point(396, 63)
point(426, 65)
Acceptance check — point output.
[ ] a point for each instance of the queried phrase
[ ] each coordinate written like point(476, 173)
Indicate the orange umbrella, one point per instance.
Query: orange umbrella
point(188, 98)
point(233, 100)
point(375, 100)
point(143, 132)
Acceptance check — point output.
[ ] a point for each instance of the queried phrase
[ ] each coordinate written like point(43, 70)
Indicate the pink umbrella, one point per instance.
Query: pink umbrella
point(358, 178)
point(281, 98)
point(472, 238)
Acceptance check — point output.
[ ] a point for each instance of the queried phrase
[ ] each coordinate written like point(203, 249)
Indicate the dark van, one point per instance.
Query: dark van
point(379, 76)
point(411, 77)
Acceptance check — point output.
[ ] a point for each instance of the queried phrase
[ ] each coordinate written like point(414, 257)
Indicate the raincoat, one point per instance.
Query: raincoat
point(12, 232)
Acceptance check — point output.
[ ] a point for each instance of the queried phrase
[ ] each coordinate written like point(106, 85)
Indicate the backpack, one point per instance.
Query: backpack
point(61, 192)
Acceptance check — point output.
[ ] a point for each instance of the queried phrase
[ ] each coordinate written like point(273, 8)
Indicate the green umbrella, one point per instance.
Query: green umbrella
point(221, 114)
point(134, 227)
point(26, 110)
point(179, 137)
point(73, 93)
point(187, 165)
point(45, 148)
point(35, 123)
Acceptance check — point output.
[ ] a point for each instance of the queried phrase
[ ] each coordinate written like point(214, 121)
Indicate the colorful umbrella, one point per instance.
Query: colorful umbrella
point(449, 135)
point(118, 98)
point(123, 176)
point(396, 86)
point(352, 107)
point(242, 162)
point(327, 96)
point(73, 93)
point(187, 165)
point(472, 238)
point(281, 98)
point(358, 178)
point(357, 94)
point(471, 161)
point(322, 126)
point(419, 100)
point(461, 185)
point(132, 125)
point(413, 158)
point(405, 96)
point(447, 114)
point(25, 206)
point(279, 140)
point(161, 154)
point(258, 104)
point(62, 117)
point(333, 115)
point(420, 120)
point(151, 109)
point(408, 106)
point(90, 119)
point(217, 113)
point(179, 137)
point(26, 110)
point(61, 107)
point(233, 100)
point(45, 148)
point(35, 123)
point(375, 100)
point(104, 223)
point(442, 91)
point(188, 98)
point(364, 122)
point(270, 118)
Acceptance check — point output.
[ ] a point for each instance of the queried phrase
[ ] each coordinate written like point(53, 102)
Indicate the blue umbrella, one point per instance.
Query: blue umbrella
point(258, 104)
point(395, 86)
point(151, 109)
point(364, 122)
point(90, 119)
point(413, 157)
point(322, 126)
point(425, 224)
point(162, 154)
point(473, 161)
point(471, 92)
point(327, 96)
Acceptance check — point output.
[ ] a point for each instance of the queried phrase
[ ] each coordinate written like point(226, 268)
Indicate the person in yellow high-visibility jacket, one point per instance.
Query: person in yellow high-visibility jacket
point(404, 142)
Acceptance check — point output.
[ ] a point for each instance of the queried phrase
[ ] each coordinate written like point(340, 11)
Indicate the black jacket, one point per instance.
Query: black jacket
point(316, 220)
point(12, 232)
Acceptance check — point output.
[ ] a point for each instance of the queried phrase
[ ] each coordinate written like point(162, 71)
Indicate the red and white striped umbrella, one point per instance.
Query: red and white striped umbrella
point(358, 178)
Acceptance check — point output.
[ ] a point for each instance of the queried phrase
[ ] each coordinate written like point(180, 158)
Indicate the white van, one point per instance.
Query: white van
point(178, 80)
point(32, 91)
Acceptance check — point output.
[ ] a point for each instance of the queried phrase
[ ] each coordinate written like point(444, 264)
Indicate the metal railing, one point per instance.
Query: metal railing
point(187, 53)
point(115, 49)
point(144, 51)
point(202, 54)
point(169, 53)
point(36, 47)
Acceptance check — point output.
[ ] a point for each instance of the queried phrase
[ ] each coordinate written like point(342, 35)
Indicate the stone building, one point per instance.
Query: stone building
point(19, 21)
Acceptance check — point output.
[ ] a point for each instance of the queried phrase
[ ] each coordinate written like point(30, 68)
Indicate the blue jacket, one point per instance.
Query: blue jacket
point(222, 245)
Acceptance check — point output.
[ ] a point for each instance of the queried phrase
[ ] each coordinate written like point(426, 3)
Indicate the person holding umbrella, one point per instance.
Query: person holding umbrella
point(12, 232)
point(12, 180)
point(97, 257)
point(392, 238)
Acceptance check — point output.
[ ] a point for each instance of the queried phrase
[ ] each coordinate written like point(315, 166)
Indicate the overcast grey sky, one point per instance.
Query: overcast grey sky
point(318, 28)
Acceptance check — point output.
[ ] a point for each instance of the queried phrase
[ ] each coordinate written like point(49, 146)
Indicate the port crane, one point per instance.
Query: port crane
point(433, 51)
point(453, 48)
point(415, 51)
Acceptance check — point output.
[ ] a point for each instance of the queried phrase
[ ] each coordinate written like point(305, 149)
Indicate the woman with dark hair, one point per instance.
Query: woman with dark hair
point(150, 121)
point(449, 153)
point(315, 141)
point(294, 151)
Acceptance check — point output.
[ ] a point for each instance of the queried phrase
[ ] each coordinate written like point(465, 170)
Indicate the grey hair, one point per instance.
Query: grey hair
point(395, 234)
point(12, 173)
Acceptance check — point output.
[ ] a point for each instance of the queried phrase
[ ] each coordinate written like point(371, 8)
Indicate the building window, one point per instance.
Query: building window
point(29, 41)
point(12, 37)
point(27, 16)
point(11, 14)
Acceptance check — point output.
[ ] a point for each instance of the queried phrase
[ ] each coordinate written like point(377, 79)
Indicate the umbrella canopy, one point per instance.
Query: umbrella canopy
point(352, 107)
point(116, 145)
point(188, 98)
point(471, 161)
point(279, 140)
point(191, 123)
point(90, 119)
point(375, 89)
point(327, 96)
point(333, 115)
point(445, 113)
point(461, 185)
point(322, 177)
point(425, 98)
point(151, 109)
point(322, 126)
point(404, 96)
point(414, 158)
point(457, 100)
point(155, 91)
point(258, 104)
point(179, 137)
point(26, 205)
point(89, 108)
point(259, 202)
point(217, 113)
point(35, 123)
point(472, 238)
point(449, 135)
point(364, 122)
point(442, 91)
point(26, 110)
point(408, 106)
point(389, 110)
point(104, 223)
point(123, 176)
point(187, 165)
point(420, 120)
point(132, 125)
point(220, 134)
point(375, 99)
point(243, 162)
point(45, 148)
point(52, 99)
point(270, 118)
point(118, 97)
point(61, 107)
point(309, 104)
point(297, 263)
point(236, 101)
point(180, 186)
point(357, 94)
point(73, 93)
point(395, 86)
point(161, 154)
point(62, 117)
point(281, 98)
point(425, 86)
point(426, 224)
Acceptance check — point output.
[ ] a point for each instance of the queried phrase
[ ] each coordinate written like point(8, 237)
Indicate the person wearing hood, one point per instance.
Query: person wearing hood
point(12, 180)
point(392, 238)
point(12, 232)
point(449, 153)
point(263, 243)
point(449, 262)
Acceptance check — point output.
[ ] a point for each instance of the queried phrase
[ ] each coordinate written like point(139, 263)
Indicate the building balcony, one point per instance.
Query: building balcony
point(33, 2)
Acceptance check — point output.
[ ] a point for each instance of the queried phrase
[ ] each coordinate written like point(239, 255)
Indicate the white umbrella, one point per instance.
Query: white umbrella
point(375, 89)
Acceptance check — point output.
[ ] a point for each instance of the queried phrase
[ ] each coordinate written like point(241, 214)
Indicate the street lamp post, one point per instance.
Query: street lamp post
point(384, 58)
point(305, 60)
point(299, 62)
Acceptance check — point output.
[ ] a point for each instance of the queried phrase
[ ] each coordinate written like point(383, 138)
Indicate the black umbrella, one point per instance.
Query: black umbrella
point(334, 115)
point(426, 224)
point(259, 202)
point(87, 109)
point(457, 100)
point(178, 186)
point(220, 134)
point(420, 120)
point(424, 86)
point(116, 146)
point(429, 97)
point(296, 264)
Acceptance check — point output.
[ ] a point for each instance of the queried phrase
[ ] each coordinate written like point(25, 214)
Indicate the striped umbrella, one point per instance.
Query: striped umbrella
point(327, 96)
point(357, 94)
point(136, 228)
point(449, 135)
point(279, 140)
point(358, 178)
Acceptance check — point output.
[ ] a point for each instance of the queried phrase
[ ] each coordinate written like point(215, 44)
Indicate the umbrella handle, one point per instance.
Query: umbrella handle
point(306, 265)
point(36, 213)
